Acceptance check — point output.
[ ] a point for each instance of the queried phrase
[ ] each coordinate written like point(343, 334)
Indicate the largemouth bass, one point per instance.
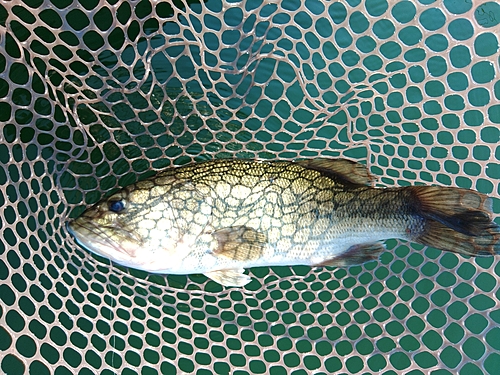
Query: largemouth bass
point(222, 216)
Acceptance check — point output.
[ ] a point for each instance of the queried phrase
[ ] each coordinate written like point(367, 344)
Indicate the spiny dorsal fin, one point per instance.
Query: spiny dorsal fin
point(239, 243)
point(347, 170)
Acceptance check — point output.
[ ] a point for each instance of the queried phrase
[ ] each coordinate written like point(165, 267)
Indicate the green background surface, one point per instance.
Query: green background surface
point(94, 96)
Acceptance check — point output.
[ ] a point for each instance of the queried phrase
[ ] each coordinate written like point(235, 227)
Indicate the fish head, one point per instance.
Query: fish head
point(107, 229)
point(144, 226)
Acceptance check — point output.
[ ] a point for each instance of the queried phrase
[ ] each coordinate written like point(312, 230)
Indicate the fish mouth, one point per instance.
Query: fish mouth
point(99, 239)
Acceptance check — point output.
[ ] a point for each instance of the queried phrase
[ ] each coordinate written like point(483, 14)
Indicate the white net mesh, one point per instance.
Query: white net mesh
point(96, 94)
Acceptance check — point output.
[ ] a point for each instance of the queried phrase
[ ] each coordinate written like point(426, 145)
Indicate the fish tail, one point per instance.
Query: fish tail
point(456, 220)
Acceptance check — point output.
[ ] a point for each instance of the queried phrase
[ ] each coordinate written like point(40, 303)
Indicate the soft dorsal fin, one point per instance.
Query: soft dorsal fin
point(347, 170)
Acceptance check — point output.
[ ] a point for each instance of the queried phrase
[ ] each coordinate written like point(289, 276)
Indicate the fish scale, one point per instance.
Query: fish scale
point(222, 216)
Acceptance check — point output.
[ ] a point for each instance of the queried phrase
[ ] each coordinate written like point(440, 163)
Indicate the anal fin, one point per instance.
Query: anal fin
point(356, 254)
point(239, 243)
point(234, 277)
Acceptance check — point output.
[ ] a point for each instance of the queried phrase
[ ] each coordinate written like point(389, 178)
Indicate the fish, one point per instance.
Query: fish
point(222, 216)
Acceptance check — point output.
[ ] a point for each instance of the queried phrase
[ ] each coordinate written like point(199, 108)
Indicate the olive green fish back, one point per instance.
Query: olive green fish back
point(97, 94)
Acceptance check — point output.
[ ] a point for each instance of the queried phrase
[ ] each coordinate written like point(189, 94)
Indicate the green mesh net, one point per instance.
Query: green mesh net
point(95, 95)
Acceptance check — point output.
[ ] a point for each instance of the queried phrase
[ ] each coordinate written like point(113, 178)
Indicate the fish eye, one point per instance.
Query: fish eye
point(116, 206)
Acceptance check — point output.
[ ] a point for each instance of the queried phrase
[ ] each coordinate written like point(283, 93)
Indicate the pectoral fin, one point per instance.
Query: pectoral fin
point(357, 254)
point(239, 243)
point(229, 277)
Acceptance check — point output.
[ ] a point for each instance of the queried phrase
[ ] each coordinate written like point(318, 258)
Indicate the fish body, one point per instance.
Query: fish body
point(222, 216)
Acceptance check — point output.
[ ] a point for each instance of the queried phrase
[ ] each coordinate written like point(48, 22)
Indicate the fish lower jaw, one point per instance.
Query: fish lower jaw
point(119, 255)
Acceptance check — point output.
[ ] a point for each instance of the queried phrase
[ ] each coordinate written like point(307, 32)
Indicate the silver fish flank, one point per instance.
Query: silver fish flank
point(222, 216)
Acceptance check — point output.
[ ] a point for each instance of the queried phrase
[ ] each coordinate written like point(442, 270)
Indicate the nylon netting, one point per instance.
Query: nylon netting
point(97, 94)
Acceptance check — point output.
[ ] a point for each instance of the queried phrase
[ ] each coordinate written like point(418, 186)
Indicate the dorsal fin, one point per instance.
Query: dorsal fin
point(347, 170)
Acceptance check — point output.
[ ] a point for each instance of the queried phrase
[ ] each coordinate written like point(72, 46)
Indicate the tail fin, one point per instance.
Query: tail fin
point(457, 220)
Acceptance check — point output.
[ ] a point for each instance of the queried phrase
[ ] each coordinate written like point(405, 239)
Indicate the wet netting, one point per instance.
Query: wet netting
point(95, 95)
